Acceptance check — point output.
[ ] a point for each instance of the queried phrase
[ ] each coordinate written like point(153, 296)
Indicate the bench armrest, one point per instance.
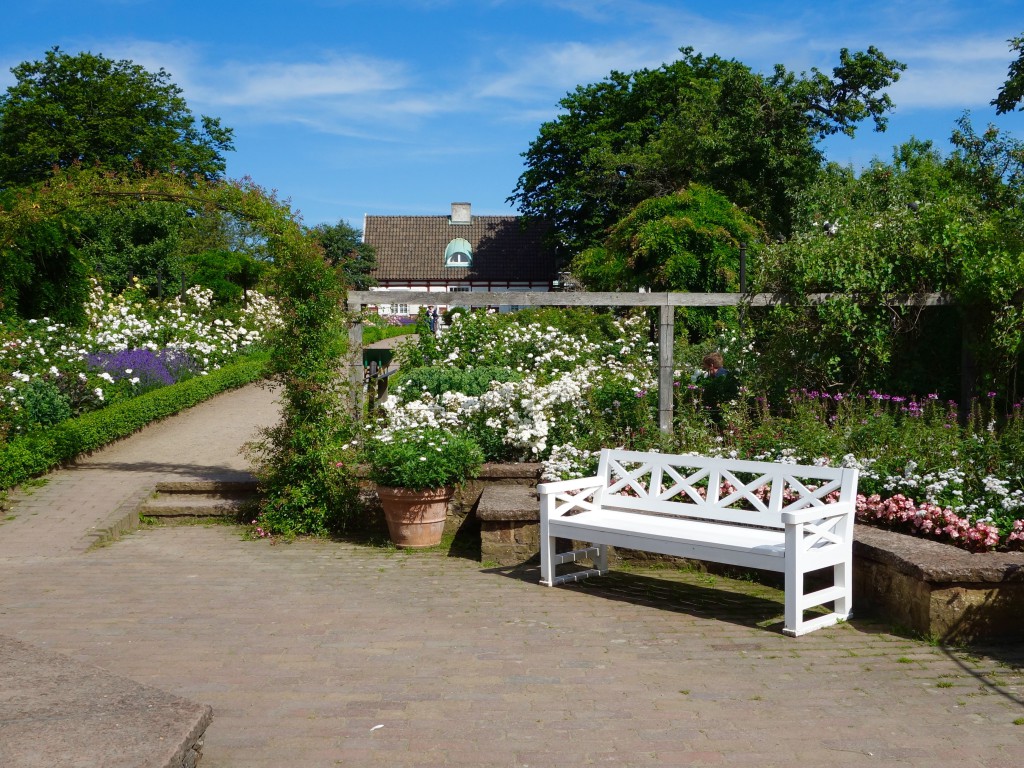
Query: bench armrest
point(578, 484)
point(837, 509)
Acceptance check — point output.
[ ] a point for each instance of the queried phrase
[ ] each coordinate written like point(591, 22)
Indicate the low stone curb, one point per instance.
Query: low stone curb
point(55, 711)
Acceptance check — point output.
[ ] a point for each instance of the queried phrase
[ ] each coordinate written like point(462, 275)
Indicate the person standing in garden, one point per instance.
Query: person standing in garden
point(714, 365)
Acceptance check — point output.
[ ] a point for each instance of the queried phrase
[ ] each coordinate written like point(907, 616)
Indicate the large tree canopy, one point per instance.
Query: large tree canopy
point(699, 119)
point(687, 241)
point(88, 110)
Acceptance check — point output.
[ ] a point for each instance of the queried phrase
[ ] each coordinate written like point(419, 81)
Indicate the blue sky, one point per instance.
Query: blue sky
point(348, 107)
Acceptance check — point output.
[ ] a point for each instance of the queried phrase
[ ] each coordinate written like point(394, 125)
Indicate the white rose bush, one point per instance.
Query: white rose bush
point(545, 402)
point(131, 345)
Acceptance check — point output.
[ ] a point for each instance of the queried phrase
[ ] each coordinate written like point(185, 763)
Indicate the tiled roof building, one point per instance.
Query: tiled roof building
point(460, 251)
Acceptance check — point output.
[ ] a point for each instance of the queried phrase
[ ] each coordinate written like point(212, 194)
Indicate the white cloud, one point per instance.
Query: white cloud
point(951, 73)
point(239, 84)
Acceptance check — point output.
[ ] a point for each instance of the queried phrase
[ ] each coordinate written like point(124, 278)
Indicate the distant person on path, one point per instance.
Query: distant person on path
point(714, 365)
point(432, 318)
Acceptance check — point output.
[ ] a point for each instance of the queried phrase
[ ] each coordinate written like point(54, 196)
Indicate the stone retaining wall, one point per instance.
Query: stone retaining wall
point(937, 590)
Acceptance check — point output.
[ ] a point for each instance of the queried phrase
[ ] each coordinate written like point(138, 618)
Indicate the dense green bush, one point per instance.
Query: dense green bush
point(422, 458)
point(227, 273)
point(437, 380)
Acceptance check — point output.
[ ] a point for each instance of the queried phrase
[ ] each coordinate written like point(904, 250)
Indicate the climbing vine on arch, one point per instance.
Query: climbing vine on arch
point(303, 491)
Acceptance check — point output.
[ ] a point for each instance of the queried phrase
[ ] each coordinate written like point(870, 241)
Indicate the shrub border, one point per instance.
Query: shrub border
point(31, 455)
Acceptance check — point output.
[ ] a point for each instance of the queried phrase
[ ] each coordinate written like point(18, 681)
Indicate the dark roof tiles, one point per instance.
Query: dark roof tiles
point(411, 248)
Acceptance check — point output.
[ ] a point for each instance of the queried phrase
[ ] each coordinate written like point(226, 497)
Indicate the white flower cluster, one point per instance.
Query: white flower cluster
point(115, 323)
point(558, 371)
point(568, 462)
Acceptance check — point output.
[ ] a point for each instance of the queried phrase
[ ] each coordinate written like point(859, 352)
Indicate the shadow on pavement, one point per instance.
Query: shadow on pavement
point(202, 471)
point(670, 593)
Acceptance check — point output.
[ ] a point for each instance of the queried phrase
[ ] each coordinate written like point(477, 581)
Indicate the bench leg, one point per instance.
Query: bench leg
point(843, 579)
point(794, 613)
point(547, 559)
point(601, 561)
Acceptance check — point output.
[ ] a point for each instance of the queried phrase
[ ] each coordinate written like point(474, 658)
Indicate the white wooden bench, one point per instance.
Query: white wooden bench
point(777, 517)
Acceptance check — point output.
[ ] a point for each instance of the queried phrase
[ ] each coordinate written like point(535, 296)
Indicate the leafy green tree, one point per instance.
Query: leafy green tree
point(89, 110)
point(344, 248)
point(686, 241)
point(44, 275)
point(227, 273)
point(648, 133)
point(921, 223)
point(1012, 93)
point(139, 238)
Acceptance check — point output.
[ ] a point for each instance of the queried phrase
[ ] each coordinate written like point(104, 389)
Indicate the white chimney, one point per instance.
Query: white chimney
point(461, 213)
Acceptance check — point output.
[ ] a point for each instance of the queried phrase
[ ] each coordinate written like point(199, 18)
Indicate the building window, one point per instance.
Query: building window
point(401, 309)
point(459, 253)
point(458, 289)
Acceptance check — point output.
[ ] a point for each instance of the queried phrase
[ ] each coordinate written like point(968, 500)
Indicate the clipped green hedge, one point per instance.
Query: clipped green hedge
point(34, 454)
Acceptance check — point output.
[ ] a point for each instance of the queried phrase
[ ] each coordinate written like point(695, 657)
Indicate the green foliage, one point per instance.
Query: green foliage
point(449, 314)
point(919, 224)
point(86, 110)
point(622, 416)
point(418, 458)
point(44, 274)
point(686, 241)
point(1011, 94)
point(343, 247)
point(303, 490)
point(438, 379)
point(649, 133)
point(40, 451)
point(44, 404)
point(226, 273)
point(137, 238)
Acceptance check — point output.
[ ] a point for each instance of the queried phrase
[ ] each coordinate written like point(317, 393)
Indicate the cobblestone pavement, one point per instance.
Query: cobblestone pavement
point(320, 653)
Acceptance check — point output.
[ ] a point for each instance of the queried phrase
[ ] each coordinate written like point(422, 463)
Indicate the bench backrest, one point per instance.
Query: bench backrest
point(726, 490)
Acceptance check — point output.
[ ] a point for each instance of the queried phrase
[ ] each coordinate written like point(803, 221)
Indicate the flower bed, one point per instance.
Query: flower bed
point(50, 372)
point(574, 385)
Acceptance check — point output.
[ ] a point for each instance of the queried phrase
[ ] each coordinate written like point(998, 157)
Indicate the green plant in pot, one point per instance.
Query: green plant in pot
point(416, 470)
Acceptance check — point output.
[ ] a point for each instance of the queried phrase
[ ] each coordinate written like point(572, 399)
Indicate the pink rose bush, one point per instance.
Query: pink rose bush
point(899, 513)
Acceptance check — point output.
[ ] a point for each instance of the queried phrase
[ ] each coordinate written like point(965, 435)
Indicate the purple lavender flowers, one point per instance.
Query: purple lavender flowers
point(152, 369)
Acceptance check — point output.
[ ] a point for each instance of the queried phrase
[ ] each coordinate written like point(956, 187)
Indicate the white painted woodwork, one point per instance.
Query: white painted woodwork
point(786, 518)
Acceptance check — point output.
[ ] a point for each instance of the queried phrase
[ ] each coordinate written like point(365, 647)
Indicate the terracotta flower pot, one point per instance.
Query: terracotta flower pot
point(415, 518)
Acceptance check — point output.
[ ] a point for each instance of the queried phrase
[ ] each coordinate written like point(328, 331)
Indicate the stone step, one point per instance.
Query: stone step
point(228, 487)
point(192, 506)
point(199, 499)
point(58, 711)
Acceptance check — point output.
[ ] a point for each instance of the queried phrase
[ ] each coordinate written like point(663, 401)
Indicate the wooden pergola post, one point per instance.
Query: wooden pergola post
point(666, 366)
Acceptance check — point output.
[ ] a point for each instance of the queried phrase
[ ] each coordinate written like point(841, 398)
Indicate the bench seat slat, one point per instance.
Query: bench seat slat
point(733, 545)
